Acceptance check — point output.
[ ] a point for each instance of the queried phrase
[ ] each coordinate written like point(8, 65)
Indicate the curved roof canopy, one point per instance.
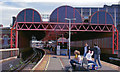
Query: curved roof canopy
point(101, 17)
point(62, 39)
point(28, 15)
point(62, 12)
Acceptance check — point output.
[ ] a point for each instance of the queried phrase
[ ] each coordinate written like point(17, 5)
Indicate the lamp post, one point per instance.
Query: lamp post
point(70, 32)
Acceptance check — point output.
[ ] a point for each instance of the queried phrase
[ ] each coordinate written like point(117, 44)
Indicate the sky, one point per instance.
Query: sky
point(10, 8)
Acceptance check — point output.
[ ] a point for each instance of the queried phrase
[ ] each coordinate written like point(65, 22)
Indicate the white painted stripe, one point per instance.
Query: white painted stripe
point(61, 63)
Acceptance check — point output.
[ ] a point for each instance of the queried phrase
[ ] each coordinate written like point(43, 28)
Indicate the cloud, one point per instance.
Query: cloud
point(13, 7)
point(6, 13)
point(7, 16)
point(72, 1)
point(9, 9)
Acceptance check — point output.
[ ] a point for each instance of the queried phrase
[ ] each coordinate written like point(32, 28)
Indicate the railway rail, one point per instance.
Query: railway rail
point(32, 60)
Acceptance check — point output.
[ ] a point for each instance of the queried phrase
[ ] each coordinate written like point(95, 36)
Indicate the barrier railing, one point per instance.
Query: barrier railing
point(7, 53)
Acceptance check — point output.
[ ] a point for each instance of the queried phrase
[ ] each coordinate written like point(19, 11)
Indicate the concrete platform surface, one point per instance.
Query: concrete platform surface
point(52, 62)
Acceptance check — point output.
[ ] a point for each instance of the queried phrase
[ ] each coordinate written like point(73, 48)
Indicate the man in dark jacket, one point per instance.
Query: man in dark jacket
point(97, 54)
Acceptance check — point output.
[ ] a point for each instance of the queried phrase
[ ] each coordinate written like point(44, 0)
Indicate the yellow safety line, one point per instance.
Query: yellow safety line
point(37, 64)
point(47, 63)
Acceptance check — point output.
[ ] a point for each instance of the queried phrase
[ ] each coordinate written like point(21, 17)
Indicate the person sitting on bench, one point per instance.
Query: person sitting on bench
point(76, 60)
point(89, 58)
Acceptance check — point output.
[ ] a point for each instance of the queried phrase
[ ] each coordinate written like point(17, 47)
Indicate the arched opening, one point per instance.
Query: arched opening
point(86, 21)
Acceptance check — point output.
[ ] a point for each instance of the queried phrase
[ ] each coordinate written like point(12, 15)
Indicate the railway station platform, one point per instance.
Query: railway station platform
point(52, 62)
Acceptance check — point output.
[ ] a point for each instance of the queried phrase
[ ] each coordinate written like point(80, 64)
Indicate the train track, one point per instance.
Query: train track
point(30, 62)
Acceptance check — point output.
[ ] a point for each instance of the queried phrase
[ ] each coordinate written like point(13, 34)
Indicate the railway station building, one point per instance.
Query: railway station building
point(92, 25)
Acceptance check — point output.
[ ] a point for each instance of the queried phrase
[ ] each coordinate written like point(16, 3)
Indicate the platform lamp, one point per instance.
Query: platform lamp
point(70, 19)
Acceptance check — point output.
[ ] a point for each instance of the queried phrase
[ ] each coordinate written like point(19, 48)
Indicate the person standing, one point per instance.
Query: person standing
point(86, 49)
point(97, 53)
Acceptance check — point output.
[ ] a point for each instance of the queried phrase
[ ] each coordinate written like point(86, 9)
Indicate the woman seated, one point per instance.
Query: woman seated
point(76, 60)
point(89, 58)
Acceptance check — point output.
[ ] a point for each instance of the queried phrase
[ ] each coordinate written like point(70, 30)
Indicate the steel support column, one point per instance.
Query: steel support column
point(16, 39)
point(112, 39)
point(11, 41)
point(117, 40)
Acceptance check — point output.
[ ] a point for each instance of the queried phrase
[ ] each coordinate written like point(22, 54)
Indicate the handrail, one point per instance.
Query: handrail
point(12, 49)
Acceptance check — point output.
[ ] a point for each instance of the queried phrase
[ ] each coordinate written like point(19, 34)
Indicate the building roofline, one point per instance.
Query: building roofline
point(4, 27)
point(100, 6)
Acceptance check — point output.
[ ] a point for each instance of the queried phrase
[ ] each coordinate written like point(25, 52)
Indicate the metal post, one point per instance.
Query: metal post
point(16, 40)
point(11, 42)
point(69, 33)
point(69, 37)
